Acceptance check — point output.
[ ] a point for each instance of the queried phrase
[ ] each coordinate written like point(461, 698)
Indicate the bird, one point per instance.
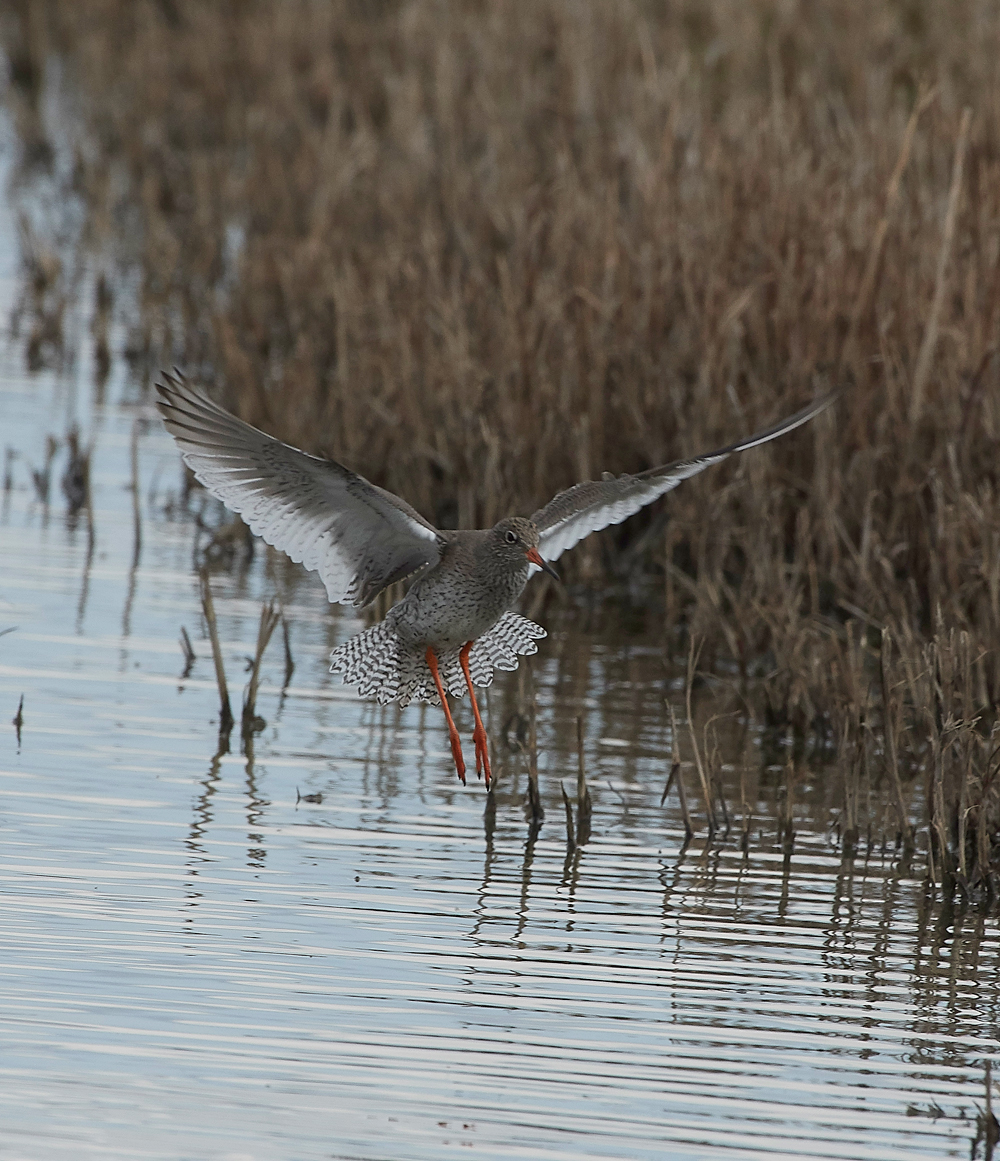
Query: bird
point(456, 623)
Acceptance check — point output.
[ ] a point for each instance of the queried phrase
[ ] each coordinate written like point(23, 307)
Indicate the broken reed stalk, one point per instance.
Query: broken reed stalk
point(570, 831)
point(963, 818)
point(671, 774)
point(938, 848)
point(706, 790)
point(208, 608)
point(250, 723)
point(584, 809)
point(190, 657)
point(940, 822)
point(983, 871)
point(745, 812)
point(786, 830)
point(535, 807)
point(18, 720)
point(930, 334)
point(850, 761)
point(136, 508)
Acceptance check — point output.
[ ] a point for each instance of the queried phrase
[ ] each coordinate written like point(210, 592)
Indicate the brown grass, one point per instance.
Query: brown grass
point(481, 250)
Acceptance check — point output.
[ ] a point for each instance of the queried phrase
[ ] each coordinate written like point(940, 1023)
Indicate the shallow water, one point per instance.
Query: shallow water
point(198, 963)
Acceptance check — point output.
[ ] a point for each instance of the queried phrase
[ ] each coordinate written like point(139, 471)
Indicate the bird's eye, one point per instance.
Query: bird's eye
point(510, 536)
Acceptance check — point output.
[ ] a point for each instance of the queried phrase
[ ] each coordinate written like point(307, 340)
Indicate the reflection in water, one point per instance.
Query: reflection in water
point(135, 494)
point(256, 854)
point(133, 575)
point(81, 605)
point(202, 815)
point(529, 858)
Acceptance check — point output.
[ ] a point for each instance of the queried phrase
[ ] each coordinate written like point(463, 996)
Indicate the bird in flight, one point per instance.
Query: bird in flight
point(456, 623)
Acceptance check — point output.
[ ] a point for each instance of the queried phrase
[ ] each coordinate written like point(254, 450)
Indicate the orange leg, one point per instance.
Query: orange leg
point(479, 734)
point(456, 742)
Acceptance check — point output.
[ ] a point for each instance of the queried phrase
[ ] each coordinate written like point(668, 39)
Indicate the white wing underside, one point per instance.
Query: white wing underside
point(596, 504)
point(358, 537)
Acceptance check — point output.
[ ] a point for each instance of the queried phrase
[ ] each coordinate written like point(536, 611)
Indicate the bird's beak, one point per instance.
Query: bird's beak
point(536, 558)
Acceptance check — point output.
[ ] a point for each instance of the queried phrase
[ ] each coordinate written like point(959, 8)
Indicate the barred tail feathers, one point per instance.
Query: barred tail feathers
point(512, 636)
point(371, 662)
point(375, 662)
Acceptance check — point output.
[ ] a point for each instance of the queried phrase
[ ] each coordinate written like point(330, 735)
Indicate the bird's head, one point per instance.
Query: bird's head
point(516, 540)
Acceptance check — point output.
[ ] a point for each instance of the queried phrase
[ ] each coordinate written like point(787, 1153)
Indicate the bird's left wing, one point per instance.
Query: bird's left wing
point(588, 507)
point(357, 536)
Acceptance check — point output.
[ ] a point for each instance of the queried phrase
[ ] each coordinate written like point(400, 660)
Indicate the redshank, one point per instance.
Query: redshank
point(456, 624)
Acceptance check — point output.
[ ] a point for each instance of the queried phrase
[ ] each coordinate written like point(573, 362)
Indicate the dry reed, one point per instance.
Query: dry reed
point(584, 806)
point(250, 723)
point(225, 707)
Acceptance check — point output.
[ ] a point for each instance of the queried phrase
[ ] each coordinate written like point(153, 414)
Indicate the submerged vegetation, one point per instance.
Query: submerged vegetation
point(480, 251)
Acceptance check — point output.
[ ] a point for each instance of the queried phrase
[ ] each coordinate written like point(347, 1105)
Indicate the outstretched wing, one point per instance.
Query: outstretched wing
point(358, 537)
point(588, 507)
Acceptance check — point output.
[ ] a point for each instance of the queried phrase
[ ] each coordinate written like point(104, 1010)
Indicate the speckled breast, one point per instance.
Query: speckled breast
point(445, 611)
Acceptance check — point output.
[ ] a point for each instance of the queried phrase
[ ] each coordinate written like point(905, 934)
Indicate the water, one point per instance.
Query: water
point(199, 963)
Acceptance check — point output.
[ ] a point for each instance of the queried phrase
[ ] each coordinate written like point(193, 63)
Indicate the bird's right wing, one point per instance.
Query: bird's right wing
point(588, 507)
point(358, 537)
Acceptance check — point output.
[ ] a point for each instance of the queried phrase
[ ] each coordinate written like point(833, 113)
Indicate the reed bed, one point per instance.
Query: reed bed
point(480, 251)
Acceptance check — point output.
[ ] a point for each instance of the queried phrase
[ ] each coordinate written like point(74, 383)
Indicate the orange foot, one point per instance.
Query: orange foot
point(482, 752)
point(456, 753)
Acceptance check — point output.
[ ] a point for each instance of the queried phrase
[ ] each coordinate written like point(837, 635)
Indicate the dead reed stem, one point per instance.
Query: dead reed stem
point(712, 761)
point(189, 654)
point(583, 805)
point(269, 618)
point(570, 830)
point(208, 607)
point(930, 334)
point(694, 653)
point(867, 288)
point(849, 758)
point(890, 729)
point(786, 827)
point(746, 813)
point(18, 719)
point(962, 820)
